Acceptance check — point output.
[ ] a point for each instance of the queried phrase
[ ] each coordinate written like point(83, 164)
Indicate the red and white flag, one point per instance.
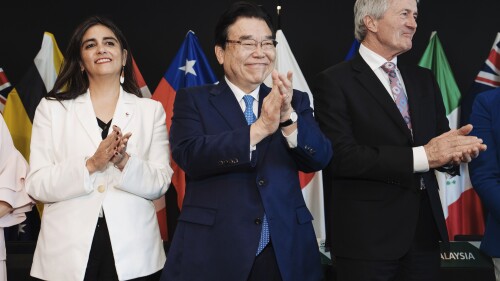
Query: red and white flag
point(311, 183)
point(140, 80)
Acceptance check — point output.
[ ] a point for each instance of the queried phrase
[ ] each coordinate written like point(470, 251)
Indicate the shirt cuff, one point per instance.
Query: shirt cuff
point(88, 179)
point(420, 162)
point(291, 139)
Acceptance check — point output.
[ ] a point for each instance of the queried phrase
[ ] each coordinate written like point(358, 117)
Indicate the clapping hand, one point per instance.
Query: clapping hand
point(453, 147)
point(285, 86)
point(121, 156)
point(111, 149)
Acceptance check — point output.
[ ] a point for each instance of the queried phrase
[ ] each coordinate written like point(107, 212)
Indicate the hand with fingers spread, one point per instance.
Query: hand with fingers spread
point(453, 147)
point(104, 153)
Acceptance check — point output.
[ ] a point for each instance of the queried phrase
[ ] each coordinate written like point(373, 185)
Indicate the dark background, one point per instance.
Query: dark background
point(320, 32)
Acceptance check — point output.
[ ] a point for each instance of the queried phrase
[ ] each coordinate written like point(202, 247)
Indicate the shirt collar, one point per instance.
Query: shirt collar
point(373, 59)
point(238, 93)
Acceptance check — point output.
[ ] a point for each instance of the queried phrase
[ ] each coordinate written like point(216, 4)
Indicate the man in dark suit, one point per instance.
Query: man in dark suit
point(389, 133)
point(241, 145)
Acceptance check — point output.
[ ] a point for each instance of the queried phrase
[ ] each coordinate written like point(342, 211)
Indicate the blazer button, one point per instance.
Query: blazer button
point(101, 188)
point(258, 221)
point(261, 182)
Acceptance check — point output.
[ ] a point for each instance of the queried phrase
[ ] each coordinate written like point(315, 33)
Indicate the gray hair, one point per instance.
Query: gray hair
point(363, 8)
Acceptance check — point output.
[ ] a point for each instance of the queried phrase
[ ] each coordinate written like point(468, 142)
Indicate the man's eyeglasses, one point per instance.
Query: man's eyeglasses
point(251, 44)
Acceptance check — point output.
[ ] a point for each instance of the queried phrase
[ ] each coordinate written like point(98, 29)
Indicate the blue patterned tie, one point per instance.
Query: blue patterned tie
point(250, 116)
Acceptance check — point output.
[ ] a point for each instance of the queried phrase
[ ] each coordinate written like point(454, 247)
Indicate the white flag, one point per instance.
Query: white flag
point(311, 184)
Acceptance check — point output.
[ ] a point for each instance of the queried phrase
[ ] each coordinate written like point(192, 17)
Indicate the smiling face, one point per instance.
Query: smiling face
point(392, 34)
point(247, 69)
point(101, 53)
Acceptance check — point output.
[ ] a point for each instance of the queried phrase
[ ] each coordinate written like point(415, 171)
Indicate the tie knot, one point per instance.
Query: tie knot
point(389, 67)
point(248, 100)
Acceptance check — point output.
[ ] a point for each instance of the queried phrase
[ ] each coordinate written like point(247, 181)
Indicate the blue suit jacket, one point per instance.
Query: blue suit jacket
point(485, 170)
point(227, 192)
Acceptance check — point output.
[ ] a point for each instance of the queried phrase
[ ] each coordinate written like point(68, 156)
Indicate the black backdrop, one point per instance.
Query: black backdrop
point(319, 32)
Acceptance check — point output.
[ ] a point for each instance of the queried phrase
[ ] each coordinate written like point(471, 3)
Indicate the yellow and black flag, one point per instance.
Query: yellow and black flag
point(24, 98)
point(19, 112)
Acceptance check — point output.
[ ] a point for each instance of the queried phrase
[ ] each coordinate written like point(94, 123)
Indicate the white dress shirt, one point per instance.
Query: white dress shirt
point(375, 61)
point(239, 94)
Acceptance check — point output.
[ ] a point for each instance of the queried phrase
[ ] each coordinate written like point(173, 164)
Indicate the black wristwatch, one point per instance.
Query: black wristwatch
point(290, 121)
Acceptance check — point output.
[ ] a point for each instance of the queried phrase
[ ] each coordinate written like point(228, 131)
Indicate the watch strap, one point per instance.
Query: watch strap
point(286, 123)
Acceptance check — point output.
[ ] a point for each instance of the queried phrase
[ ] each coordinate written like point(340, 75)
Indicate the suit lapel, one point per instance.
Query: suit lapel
point(372, 84)
point(124, 111)
point(223, 100)
point(86, 115)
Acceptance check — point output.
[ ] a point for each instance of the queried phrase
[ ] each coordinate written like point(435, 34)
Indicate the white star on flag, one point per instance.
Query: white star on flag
point(188, 68)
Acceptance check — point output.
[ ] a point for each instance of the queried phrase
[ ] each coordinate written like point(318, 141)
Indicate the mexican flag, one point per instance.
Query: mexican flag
point(461, 205)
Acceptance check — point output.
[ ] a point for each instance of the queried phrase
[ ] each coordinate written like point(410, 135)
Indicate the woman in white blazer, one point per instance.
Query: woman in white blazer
point(97, 183)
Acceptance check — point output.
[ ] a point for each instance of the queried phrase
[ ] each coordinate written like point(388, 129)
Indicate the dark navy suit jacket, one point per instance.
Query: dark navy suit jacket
point(485, 169)
point(227, 191)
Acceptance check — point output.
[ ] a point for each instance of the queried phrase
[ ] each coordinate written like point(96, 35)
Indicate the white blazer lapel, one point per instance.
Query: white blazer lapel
point(124, 111)
point(86, 115)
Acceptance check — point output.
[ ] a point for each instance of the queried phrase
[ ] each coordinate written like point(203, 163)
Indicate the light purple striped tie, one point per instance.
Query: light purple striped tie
point(398, 92)
point(251, 118)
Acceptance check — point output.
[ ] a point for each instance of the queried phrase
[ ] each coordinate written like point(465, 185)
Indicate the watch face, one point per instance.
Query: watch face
point(293, 116)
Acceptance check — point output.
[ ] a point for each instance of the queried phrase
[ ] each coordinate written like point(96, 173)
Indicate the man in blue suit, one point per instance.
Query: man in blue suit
point(485, 170)
point(242, 145)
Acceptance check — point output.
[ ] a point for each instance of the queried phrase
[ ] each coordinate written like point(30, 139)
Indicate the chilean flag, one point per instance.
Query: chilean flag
point(189, 68)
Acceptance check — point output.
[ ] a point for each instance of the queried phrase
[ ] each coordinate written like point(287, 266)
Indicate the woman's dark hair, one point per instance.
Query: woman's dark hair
point(71, 82)
point(238, 10)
